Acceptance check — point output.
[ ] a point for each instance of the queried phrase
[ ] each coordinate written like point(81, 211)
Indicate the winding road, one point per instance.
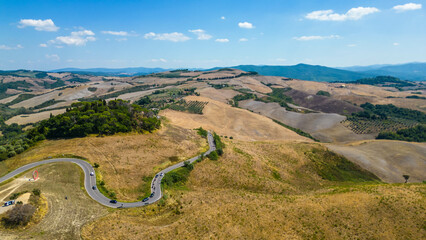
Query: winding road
point(90, 181)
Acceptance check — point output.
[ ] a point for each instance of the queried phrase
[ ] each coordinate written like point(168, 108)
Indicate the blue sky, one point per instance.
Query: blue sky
point(45, 34)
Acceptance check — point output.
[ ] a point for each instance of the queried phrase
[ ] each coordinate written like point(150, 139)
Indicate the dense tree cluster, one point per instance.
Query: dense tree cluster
point(415, 134)
point(83, 118)
point(389, 111)
point(23, 85)
point(241, 97)
point(389, 81)
point(97, 117)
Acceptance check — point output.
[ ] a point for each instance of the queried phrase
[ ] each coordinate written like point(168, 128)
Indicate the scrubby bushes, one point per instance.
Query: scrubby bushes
point(219, 144)
point(177, 177)
point(213, 156)
point(333, 167)
point(21, 214)
point(323, 93)
point(201, 132)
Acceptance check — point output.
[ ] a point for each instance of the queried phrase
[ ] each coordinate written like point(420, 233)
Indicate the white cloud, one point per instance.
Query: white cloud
point(223, 18)
point(53, 57)
point(201, 34)
point(245, 25)
point(121, 39)
point(243, 40)
point(43, 45)
point(396, 44)
point(407, 7)
point(222, 40)
point(116, 33)
point(39, 25)
point(79, 38)
point(173, 37)
point(5, 47)
point(309, 38)
point(280, 59)
point(352, 14)
point(159, 60)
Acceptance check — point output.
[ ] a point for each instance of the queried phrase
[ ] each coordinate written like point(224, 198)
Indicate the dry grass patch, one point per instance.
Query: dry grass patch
point(124, 159)
point(57, 218)
point(239, 197)
point(226, 120)
point(388, 159)
point(34, 117)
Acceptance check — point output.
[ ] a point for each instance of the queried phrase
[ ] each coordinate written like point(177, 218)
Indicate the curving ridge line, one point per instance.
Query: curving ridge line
point(90, 181)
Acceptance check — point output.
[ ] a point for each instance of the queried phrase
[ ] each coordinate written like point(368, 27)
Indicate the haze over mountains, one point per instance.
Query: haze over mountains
point(408, 71)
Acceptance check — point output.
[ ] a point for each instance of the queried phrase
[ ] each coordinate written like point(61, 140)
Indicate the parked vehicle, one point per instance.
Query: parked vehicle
point(145, 199)
point(113, 201)
point(8, 203)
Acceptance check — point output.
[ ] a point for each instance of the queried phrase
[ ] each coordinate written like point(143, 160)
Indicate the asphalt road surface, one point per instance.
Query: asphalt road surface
point(90, 181)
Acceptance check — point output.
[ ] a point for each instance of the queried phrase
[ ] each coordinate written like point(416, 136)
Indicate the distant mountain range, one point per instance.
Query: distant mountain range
point(306, 72)
point(113, 71)
point(409, 71)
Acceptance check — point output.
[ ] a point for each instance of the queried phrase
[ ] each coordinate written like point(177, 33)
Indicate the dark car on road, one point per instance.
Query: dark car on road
point(152, 194)
point(113, 201)
point(94, 187)
point(145, 199)
point(8, 203)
